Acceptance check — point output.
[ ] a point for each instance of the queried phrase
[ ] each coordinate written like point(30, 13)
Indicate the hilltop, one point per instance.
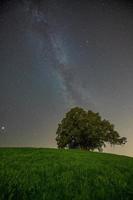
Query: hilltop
point(51, 174)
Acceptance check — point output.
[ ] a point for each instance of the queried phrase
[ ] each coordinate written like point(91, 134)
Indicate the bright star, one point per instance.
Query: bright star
point(2, 128)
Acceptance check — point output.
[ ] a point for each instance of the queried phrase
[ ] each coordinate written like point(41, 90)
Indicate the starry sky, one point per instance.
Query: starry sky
point(57, 54)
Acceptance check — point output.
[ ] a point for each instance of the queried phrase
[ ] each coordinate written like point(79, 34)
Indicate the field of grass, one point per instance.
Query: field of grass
point(39, 174)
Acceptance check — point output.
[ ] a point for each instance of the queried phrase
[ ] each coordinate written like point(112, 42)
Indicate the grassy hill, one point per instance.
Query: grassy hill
point(50, 174)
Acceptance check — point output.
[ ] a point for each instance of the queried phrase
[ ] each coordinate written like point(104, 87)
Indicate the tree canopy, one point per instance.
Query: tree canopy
point(86, 130)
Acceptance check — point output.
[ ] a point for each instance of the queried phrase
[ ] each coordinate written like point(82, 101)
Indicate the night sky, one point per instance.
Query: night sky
point(56, 54)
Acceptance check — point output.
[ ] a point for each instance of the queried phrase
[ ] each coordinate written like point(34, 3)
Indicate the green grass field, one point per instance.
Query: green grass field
point(36, 174)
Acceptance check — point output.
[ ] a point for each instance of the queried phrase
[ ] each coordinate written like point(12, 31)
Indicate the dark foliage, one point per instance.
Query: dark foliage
point(86, 130)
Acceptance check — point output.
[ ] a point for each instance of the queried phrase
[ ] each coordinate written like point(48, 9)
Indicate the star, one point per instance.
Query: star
point(3, 128)
point(87, 41)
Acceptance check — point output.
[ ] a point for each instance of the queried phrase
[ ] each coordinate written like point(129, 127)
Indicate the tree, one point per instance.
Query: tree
point(86, 130)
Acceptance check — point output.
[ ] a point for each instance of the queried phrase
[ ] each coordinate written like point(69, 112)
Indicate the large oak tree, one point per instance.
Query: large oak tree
point(86, 130)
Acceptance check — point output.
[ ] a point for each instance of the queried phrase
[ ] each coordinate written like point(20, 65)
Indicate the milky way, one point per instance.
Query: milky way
point(71, 85)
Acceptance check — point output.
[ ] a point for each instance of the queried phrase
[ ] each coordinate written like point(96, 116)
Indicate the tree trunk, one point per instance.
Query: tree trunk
point(84, 148)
